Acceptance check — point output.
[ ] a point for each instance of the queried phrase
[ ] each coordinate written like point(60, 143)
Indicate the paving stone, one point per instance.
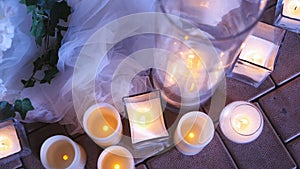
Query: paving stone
point(12, 165)
point(266, 152)
point(282, 108)
point(36, 140)
point(214, 155)
point(288, 64)
point(268, 16)
point(271, 3)
point(142, 166)
point(92, 150)
point(294, 148)
point(30, 127)
point(234, 91)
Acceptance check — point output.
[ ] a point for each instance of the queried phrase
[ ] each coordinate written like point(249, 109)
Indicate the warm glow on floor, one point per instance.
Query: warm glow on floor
point(117, 166)
point(65, 157)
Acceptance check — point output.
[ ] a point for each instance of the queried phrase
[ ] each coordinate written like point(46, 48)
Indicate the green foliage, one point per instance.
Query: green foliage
point(46, 16)
point(8, 110)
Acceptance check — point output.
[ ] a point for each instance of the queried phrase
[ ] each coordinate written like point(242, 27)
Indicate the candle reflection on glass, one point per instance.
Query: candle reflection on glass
point(241, 122)
point(115, 157)
point(61, 152)
point(257, 50)
point(145, 118)
point(194, 131)
point(9, 142)
point(291, 8)
point(103, 125)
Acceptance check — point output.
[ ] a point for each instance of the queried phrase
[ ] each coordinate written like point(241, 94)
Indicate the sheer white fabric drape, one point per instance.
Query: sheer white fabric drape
point(54, 102)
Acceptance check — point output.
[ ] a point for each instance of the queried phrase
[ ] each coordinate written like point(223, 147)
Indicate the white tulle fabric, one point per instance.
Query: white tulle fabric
point(54, 102)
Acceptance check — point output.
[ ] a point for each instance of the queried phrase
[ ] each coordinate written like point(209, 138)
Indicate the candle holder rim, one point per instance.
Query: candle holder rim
point(249, 27)
point(90, 110)
point(192, 113)
point(260, 119)
point(116, 147)
point(44, 151)
point(232, 135)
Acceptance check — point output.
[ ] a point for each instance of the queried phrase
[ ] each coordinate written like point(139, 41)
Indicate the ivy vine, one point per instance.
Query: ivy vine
point(46, 18)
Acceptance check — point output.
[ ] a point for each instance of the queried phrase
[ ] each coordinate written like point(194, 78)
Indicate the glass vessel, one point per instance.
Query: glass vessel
point(207, 37)
point(13, 141)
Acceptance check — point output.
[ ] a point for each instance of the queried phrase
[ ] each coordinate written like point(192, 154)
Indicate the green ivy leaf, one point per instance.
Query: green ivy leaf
point(30, 2)
point(28, 83)
point(49, 75)
point(22, 2)
point(6, 110)
point(38, 64)
point(23, 106)
point(60, 10)
point(31, 8)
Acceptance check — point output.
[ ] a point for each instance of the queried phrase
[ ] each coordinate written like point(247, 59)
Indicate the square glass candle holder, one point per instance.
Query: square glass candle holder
point(145, 115)
point(287, 15)
point(13, 141)
point(258, 54)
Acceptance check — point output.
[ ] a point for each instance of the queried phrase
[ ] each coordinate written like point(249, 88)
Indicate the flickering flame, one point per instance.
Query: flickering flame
point(65, 157)
point(105, 128)
point(191, 135)
point(117, 166)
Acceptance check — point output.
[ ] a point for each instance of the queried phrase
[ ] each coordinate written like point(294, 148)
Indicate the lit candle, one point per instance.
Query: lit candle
point(103, 124)
point(115, 157)
point(145, 117)
point(194, 131)
point(241, 122)
point(257, 50)
point(61, 152)
point(9, 142)
point(291, 8)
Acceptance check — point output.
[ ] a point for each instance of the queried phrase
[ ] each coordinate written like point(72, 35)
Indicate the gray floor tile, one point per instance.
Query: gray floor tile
point(92, 151)
point(266, 152)
point(36, 140)
point(214, 155)
point(288, 64)
point(282, 108)
point(30, 127)
point(294, 148)
point(12, 165)
point(142, 166)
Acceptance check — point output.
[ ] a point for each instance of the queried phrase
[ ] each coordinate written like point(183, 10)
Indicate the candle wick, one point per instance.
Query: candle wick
point(295, 8)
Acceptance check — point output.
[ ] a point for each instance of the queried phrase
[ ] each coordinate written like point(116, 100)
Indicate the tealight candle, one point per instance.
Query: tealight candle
point(103, 124)
point(257, 50)
point(61, 152)
point(115, 157)
point(291, 8)
point(9, 142)
point(194, 131)
point(241, 122)
point(145, 118)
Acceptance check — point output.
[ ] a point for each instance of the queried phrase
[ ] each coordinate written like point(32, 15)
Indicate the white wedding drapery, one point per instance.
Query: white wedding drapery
point(54, 102)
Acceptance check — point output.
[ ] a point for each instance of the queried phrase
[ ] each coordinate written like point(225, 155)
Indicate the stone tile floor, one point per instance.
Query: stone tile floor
point(277, 147)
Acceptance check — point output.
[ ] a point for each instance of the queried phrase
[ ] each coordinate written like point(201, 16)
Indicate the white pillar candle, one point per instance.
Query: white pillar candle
point(115, 157)
point(291, 8)
point(61, 152)
point(103, 124)
point(194, 131)
point(241, 122)
point(9, 141)
point(257, 50)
